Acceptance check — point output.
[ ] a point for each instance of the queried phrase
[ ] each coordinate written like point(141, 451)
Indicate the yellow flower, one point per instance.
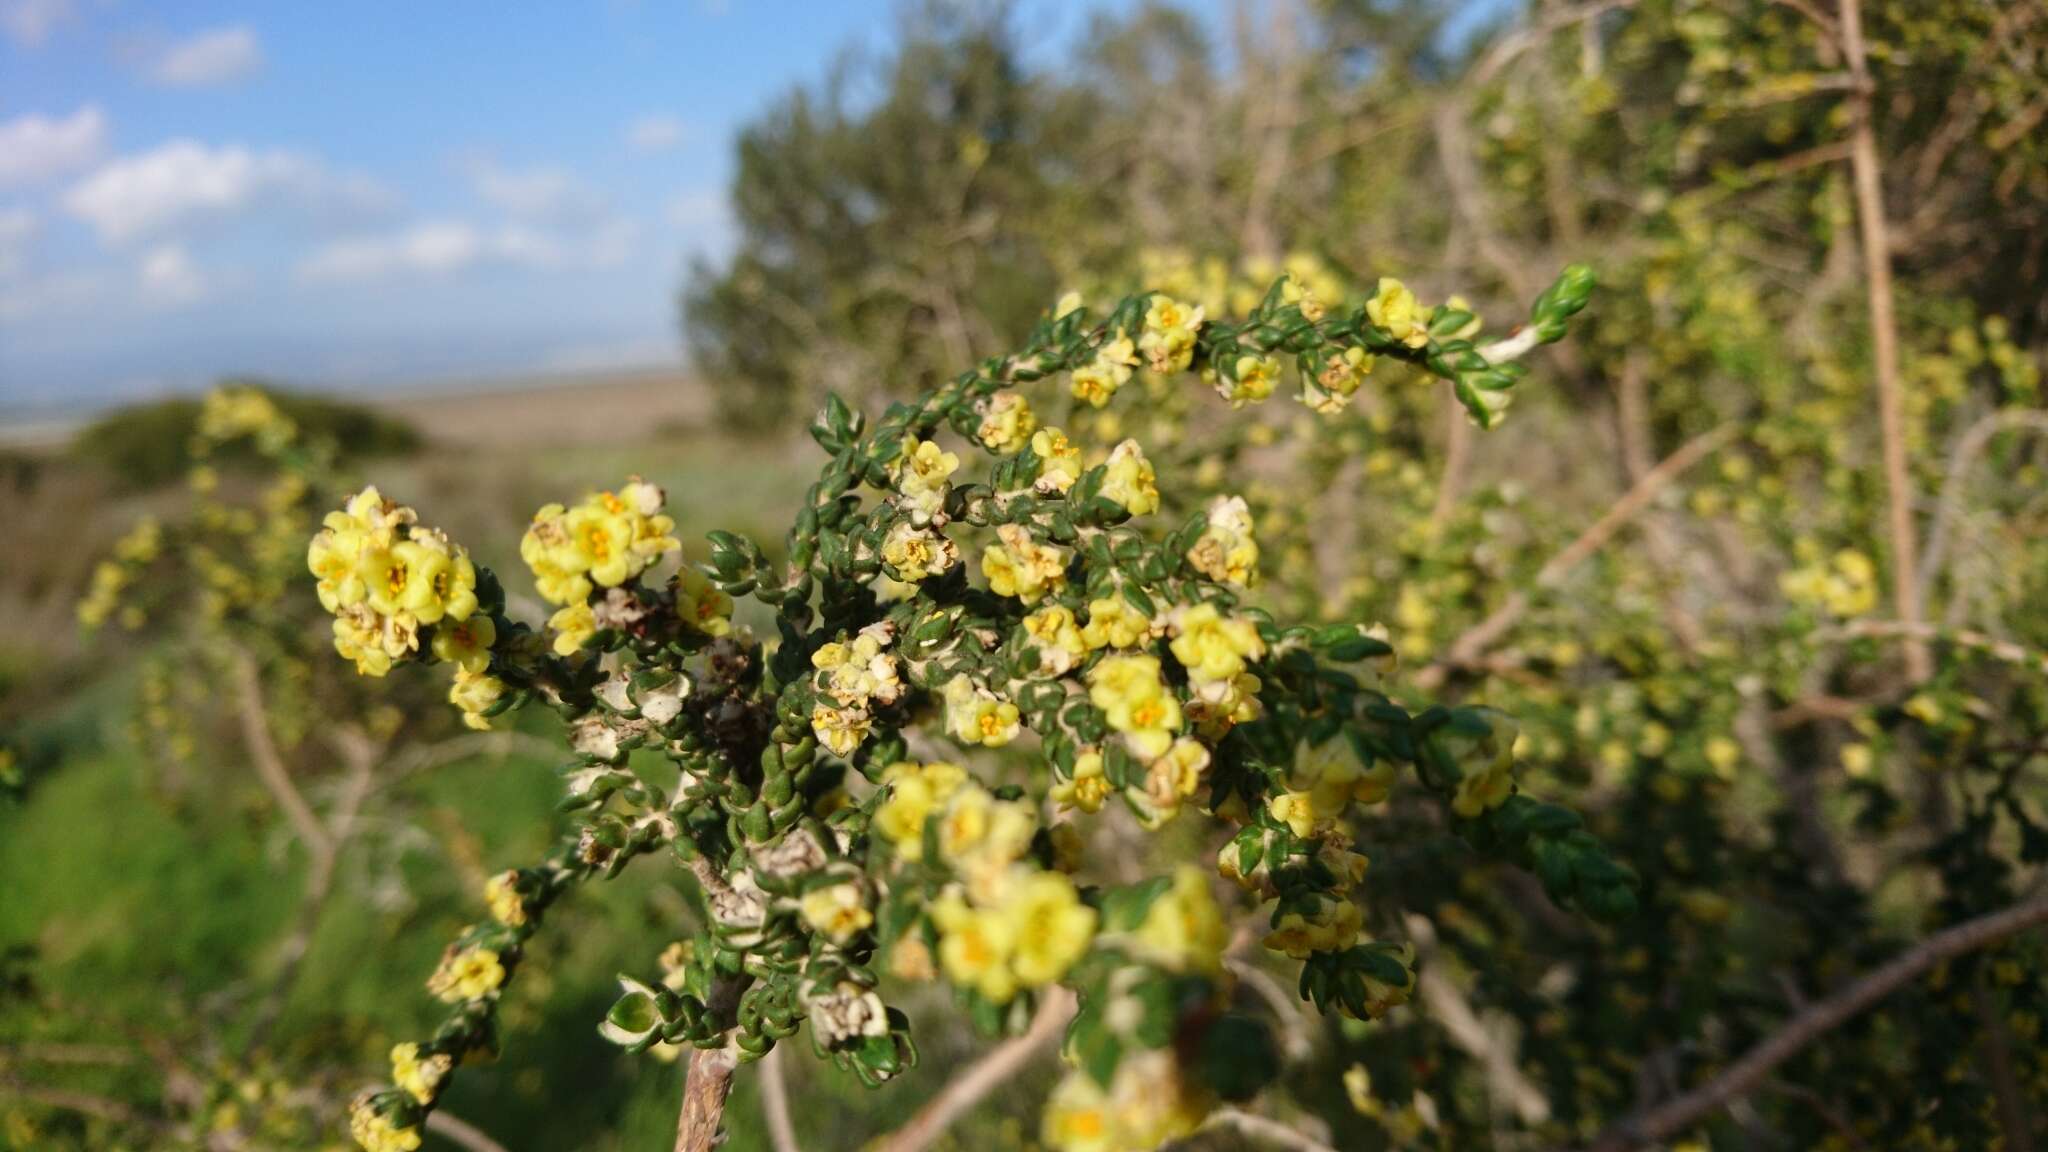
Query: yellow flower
point(1396, 310)
point(474, 693)
point(1128, 479)
point(975, 947)
point(421, 1079)
point(1297, 810)
point(1253, 380)
point(501, 895)
point(573, 625)
point(1487, 788)
point(466, 643)
point(1114, 623)
point(1857, 760)
point(1136, 702)
point(840, 730)
point(837, 911)
point(1225, 551)
point(1050, 925)
point(1314, 924)
point(1212, 647)
point(375, 1132)
point(1077, 1117)
point(1333, 778)
point(1057, 638)
point(915, 553)
point(1183, 930)
point(701, 604)
point(1723, 754)
point(975, 716)
point(608, 539)
point(470, 974)
point(1168, 340)
point(1022, 567)
point(859, 670)
point(1089, 787)
point(1007, 423)
point(1059, 461)
point(1340, 377)
point(1099, 379)
point(915, 790)
point(1170, 780)
point(922, 473)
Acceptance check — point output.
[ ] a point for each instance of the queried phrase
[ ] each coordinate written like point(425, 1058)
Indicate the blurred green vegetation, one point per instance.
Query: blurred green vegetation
point(149, 444)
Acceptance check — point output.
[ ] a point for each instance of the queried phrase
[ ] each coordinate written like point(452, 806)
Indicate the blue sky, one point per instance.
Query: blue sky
point(370, 193)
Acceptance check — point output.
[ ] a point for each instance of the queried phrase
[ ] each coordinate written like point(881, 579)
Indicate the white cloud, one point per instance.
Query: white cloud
point(184, 180)
point(211, 58)
point(37, 148)
point(431, 248)
point(540, 195)
point(28, 22)
point(168, 276)
point(445, 247)
point(656, 133)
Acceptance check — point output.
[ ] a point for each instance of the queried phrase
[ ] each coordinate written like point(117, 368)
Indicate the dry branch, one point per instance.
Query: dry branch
point(985, 1075)
point(1747, 1073)
point(1468, 647)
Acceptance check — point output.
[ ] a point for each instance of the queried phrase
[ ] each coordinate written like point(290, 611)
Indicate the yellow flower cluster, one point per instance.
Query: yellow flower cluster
point(1136, 702)
point(1226, 552)
point(1216, 651)
point(1088, 789)
point(1183, 930)
point(1314, 923)
point(1059, 460)
point(701, 604)
point(1113, 622)
point(1396, 310)
point(1098, 380)
point(608, 539)
point(375, 1132)
point(467, 974)
point(1494, 780)
point(916, 553)
point(420, 1078)
point(1168, 341)
point(230, 413)
point(136, 549)
point(855, 675)
point(976, 716)
point(1846, 586)
point(1007, 423)
point(1128, 479)
point(1251, 379)
point(1148, 1105)
point(836, 911)
point(1057, 637)
point(1020, 566)
point(922, 473)
point(501, 896)
point(1327, 779)
point(1330, 390)
point(915, 792)
point(383, 588)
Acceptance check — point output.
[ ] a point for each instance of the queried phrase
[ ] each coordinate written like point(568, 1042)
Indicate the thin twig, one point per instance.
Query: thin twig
point(1264, 1131)
point(1884, 335)
point(255, 720)
point(985, 1075)
point(1675, 1116)
point(1955, 484)
point(1476, 640)
point(775, 1103)
point(461, 1132)
point(1515, 43)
